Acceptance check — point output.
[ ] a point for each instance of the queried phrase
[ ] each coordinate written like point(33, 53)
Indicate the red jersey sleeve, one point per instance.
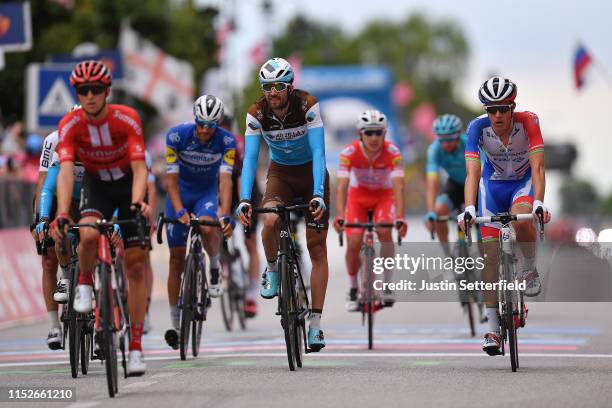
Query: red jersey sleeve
point(66, 135)
point(133, 128)
point(531, 123)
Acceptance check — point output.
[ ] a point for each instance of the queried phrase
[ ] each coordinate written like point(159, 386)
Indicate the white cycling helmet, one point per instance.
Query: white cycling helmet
point(372, 119)
point(497, 90)
point(276, 70)
point(208, 108)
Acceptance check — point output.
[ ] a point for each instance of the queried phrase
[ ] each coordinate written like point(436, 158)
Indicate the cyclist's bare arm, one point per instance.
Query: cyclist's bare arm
point(225, 193)
point(341, 192)
point(398, 194)
point(139, 181)
point(433, 187)
point(65, 181)
point(174, 195)
point(471, 182)
point(538, 180)
point(152, 196)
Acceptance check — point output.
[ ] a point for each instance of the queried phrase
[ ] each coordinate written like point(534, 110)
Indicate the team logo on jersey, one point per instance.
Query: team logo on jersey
point(253, 126)
point(230, 157)
point(348, 150)
point(396, 161)
point(227, 140)
point(174, 137)
point(170, 155)
point(344, 161)
point(311, 116)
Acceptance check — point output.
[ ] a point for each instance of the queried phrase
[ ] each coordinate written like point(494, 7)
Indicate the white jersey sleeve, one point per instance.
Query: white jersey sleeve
point(48, 156)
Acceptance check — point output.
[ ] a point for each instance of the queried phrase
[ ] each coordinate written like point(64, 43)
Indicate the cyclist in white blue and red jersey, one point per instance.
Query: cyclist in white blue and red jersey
point(290, 122)
point(199, 161)
point(511, 180)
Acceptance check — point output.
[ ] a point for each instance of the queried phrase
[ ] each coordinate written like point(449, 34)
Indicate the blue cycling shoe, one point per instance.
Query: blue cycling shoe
point(316, 341)
point(269, 285)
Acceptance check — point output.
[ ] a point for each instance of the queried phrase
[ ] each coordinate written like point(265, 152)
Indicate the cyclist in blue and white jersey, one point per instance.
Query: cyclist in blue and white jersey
point(199, 158)
point(290, 122)
point(446, 153)
point(46, 212)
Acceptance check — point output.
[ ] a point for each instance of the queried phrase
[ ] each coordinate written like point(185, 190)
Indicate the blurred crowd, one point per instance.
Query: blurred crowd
point(19, 153)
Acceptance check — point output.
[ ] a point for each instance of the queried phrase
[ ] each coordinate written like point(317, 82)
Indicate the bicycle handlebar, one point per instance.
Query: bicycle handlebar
point(504, 218)
point(370, 226)
point(193, 222)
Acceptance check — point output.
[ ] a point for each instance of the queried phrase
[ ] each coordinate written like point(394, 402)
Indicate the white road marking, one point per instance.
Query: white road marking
point(139, 384)
point(164, 375)
point(329, 355)
point(88, 404)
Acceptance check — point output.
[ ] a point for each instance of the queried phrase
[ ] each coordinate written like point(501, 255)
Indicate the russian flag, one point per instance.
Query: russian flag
point(582, 60)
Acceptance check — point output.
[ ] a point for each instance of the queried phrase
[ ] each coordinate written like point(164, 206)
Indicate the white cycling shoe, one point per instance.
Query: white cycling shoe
point(215, 290)
point(352, 304)
point(82, 298)
point(62, 293)
point(136, 365)
point(54, 338)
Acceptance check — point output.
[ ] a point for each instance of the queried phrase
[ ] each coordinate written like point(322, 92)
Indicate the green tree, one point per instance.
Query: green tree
point(430, 55)
point(179, 28)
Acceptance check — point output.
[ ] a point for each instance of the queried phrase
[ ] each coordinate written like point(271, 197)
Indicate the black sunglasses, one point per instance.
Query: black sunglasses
point(277, 86)
point(493, 109)
point(84, 90)
point(373, 132)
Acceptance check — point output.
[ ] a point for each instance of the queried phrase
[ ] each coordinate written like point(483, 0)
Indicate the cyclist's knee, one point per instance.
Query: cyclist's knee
point(316, 247)
point(385, 235)
point(134, 263)
point(441, 209)
point(88, 237)
point(49, 264)
point(270, 221)
point(177, 259)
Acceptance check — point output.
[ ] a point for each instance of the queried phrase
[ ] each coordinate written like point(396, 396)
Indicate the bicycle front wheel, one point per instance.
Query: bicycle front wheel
point(187, 297)
point(287, 310)
point(368, 266)
point(108, 325)
point(226, 298)
point(201, 296)
point(74, 338)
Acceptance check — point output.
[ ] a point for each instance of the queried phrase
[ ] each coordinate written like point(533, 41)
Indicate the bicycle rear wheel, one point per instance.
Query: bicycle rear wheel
point(239, 292)
point(226, 299)
point(287, 311)
point(107, 323)
point(186, 309)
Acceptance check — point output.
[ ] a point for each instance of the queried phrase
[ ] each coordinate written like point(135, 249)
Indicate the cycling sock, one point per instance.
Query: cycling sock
point(65, 272)
point(272, 266)
point(53, 319)
point(136, 342)
point(315, 319)
point(446, 248)
point(86, 278)
point(214, 276)
point(253, 290)
point(214, 262)
point(174, 316)
point(353, 280)
point(492, 319)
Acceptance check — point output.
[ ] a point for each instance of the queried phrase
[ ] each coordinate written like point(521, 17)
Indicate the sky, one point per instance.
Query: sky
point(530, 42)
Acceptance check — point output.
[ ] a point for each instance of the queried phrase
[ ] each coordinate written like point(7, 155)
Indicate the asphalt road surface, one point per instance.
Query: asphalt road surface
point(423, 356)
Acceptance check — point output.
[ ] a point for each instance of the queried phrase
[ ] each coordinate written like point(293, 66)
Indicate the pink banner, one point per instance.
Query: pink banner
point(20, 278)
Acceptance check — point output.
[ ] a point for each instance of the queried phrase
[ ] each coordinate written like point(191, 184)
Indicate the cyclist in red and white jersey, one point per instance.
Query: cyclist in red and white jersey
point(511, 180)
point(108, 139)
point(371, 172)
